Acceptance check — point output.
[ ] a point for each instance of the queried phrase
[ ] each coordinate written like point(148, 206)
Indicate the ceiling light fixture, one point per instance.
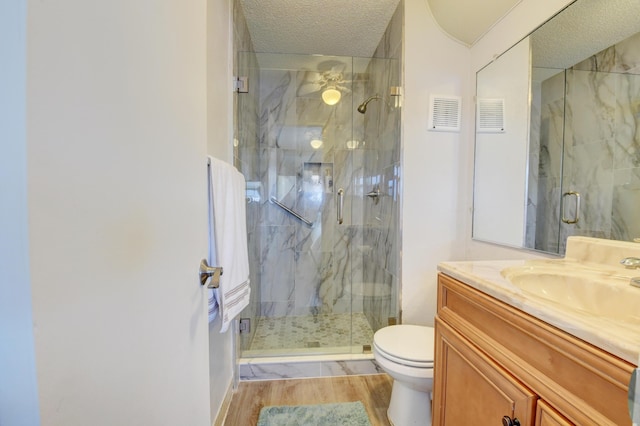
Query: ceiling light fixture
point(315, 143)
point(353, 144)
point(331, 95)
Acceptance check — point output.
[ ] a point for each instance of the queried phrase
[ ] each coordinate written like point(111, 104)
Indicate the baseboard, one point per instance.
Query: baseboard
point(224, 409)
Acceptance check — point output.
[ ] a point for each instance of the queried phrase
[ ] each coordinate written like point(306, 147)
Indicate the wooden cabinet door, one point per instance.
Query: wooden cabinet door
point(547, 416)
point(471, 389)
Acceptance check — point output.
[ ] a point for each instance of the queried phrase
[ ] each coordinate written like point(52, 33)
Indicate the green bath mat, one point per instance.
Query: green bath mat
point(346, 413)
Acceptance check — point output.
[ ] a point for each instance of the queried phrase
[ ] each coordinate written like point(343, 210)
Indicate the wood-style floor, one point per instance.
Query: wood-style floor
point(373, 391)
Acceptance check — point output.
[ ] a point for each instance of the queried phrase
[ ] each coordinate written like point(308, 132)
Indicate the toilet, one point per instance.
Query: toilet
point(405, 352)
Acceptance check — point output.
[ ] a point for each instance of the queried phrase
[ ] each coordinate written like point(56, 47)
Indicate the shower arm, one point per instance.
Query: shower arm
point(372, 98)
point(362, 108)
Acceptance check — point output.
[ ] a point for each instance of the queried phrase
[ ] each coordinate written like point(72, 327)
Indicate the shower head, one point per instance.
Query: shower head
point(362, 108)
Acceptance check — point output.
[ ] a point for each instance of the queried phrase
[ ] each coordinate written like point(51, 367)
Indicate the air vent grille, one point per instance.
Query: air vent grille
point(445, 113)
point(490, 115)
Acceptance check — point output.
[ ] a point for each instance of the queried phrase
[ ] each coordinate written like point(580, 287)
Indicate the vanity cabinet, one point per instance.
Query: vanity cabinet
point(495, 363)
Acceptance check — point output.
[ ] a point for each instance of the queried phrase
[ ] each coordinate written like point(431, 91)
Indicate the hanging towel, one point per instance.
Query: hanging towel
point(228, 241)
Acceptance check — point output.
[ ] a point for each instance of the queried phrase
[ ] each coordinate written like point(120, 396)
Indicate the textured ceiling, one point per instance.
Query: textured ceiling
point(468, 20)
point(355, 27)
point(583, 29)
point(326, 27)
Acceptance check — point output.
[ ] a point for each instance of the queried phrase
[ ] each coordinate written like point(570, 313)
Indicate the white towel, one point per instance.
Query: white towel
point(228, 241)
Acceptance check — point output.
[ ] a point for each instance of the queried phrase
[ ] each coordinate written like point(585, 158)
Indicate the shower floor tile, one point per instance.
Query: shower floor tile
point(312, 331)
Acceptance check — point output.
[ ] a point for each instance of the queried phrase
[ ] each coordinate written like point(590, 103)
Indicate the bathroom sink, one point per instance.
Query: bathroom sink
point(581, 289)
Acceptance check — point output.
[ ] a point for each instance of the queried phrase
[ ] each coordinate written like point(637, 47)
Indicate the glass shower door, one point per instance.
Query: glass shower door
point(589, 155)
point(291, 148)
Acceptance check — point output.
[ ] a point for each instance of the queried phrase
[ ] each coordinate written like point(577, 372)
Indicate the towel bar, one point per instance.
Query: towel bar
point(207, 271)
point(291, 212)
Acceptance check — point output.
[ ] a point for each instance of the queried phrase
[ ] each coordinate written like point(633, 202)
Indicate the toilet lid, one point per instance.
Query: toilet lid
point(407, 344)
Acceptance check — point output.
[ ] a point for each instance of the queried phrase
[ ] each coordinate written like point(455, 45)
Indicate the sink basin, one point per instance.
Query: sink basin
point(585, 290)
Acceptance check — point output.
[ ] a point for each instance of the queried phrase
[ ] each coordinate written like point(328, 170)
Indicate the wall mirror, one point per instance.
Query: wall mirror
point(558, 132)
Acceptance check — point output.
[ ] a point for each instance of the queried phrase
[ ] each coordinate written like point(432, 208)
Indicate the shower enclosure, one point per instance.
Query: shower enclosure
point(323, 201)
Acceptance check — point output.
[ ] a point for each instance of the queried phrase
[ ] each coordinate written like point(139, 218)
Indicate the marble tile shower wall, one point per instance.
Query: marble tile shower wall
point(381, 239)
point(245, 151)
point(307, 270)
point(602, 143)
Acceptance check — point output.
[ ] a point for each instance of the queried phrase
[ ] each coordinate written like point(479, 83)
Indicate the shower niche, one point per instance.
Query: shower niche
point(317, 179)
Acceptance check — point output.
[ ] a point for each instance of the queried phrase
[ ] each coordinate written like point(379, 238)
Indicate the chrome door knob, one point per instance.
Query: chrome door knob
point(507, 421)
point(207, 271)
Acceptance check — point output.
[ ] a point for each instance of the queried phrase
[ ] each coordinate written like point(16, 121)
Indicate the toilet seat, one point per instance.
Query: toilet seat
point(410, 345)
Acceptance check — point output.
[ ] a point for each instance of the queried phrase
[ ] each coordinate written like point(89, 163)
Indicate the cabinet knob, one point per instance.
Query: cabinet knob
point(506, 421)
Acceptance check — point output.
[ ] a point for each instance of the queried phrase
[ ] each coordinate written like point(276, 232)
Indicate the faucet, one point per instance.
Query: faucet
point(632, 263)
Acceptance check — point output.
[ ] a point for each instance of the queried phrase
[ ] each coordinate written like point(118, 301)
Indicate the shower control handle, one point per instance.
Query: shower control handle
point(374, 194)
point(340, 205)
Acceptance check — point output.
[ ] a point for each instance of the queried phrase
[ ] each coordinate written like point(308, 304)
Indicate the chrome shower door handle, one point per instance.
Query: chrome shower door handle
point(340, 205)
point(576, 216)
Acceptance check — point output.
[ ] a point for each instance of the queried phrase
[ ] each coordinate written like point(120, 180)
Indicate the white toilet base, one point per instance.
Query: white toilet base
point(408, 406)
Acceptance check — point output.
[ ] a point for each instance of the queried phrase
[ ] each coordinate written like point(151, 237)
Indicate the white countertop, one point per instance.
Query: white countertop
point(622, 340)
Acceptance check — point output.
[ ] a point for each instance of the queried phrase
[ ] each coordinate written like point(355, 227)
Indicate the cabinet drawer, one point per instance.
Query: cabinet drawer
point(585, 384)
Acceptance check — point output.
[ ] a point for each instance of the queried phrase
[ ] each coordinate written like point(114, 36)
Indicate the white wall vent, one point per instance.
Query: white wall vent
point(445, 113)
point(490, 115)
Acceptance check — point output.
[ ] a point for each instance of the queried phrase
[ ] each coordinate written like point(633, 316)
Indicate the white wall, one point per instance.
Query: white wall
point(18, 387)
point(220, 75)
point(116, 161)
point(434, 64)
point(219, 125)
point(522, 19)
